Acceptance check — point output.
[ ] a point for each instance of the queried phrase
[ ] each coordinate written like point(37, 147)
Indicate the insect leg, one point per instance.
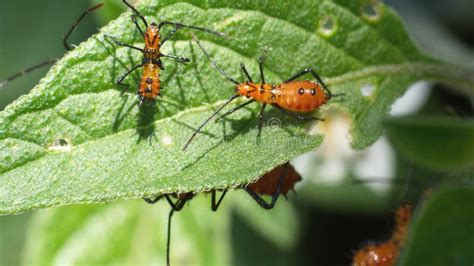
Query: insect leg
point(74, 26)
point(249, 78)
point(178, 26)
point(315, 75)
point(137, 14)
point(177, 58)
point(168, 241)
point(214, 204)
point(176, 206)
point(153, 201)
point(134, 19)
point(275, 195)
point(121, 78)
point(235, 109)
point(179, 204)
point(119, 43)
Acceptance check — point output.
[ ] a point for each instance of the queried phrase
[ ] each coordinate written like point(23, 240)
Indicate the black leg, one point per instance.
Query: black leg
point(117, 42)
point(175, 206)
point(260, 119)
point(235, 109)
point(136, 12)
point(315, 75)
point(74, 26)
point(26, 71)
point(298, 116)
point(214, 204)
point(260, 66)
point(153, 201)
point(180, 59)
point(275, 195)
point(168, 241)
point(179, 204)
point(142, 99)
point(121, 78)
point(172, 32)
point(249, 78)
point(134, 19)
point(178, 26)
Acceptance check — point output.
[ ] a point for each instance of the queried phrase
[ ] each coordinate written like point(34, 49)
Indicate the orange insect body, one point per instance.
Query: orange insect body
point(151, 63)
point(151, 51)
point(385, 254)
point(278, 181)
point(268, 182)
point(295, 96)
point(376, 254)
point(292, 96)
point(150, 81)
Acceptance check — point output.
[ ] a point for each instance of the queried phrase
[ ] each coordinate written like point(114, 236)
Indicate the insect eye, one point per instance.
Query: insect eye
point(313, 92)
point(301, 91)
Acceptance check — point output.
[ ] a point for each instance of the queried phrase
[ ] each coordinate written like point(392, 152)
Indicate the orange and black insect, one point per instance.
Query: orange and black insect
point(52, 61)
point(150, 84)
point(386, 254)
point(293, 96)
point(278, 181)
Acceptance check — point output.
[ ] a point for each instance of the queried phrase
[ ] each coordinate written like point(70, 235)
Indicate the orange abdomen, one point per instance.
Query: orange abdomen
point(150, 82)
point(295, 96)
point(376, 254)
point(300, 96)
point(385, 254)
point(267, 183)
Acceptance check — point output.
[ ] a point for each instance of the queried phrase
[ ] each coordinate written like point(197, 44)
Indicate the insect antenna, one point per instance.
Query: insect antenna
point(208, 119)
point(51, 61)
point(74, 26)
point(181, 25)
point(136, 12)
point(26, 71)
point(169, 237)
point(229, 78)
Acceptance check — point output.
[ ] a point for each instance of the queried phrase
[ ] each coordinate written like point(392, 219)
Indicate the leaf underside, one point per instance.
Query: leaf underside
point(75, 139)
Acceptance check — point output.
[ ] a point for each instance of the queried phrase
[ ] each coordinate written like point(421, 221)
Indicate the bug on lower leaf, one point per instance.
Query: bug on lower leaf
point(278, 181)
point(150, 85)
point(386, 253)
point(67, 46)
point(293, 96)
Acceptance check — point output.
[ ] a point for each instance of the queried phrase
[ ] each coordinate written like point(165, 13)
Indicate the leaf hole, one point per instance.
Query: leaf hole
point(367, 90)
point(327, 26)
point(371, 11)
point(61, 145)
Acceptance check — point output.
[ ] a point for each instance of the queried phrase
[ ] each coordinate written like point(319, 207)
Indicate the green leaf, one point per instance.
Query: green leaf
point(440, 143)
point(127, 233)
point(74, 139)
point(133, 232)
point(441, 231)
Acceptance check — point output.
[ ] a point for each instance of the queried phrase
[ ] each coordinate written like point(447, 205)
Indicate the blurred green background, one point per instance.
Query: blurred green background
point(328, 219)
